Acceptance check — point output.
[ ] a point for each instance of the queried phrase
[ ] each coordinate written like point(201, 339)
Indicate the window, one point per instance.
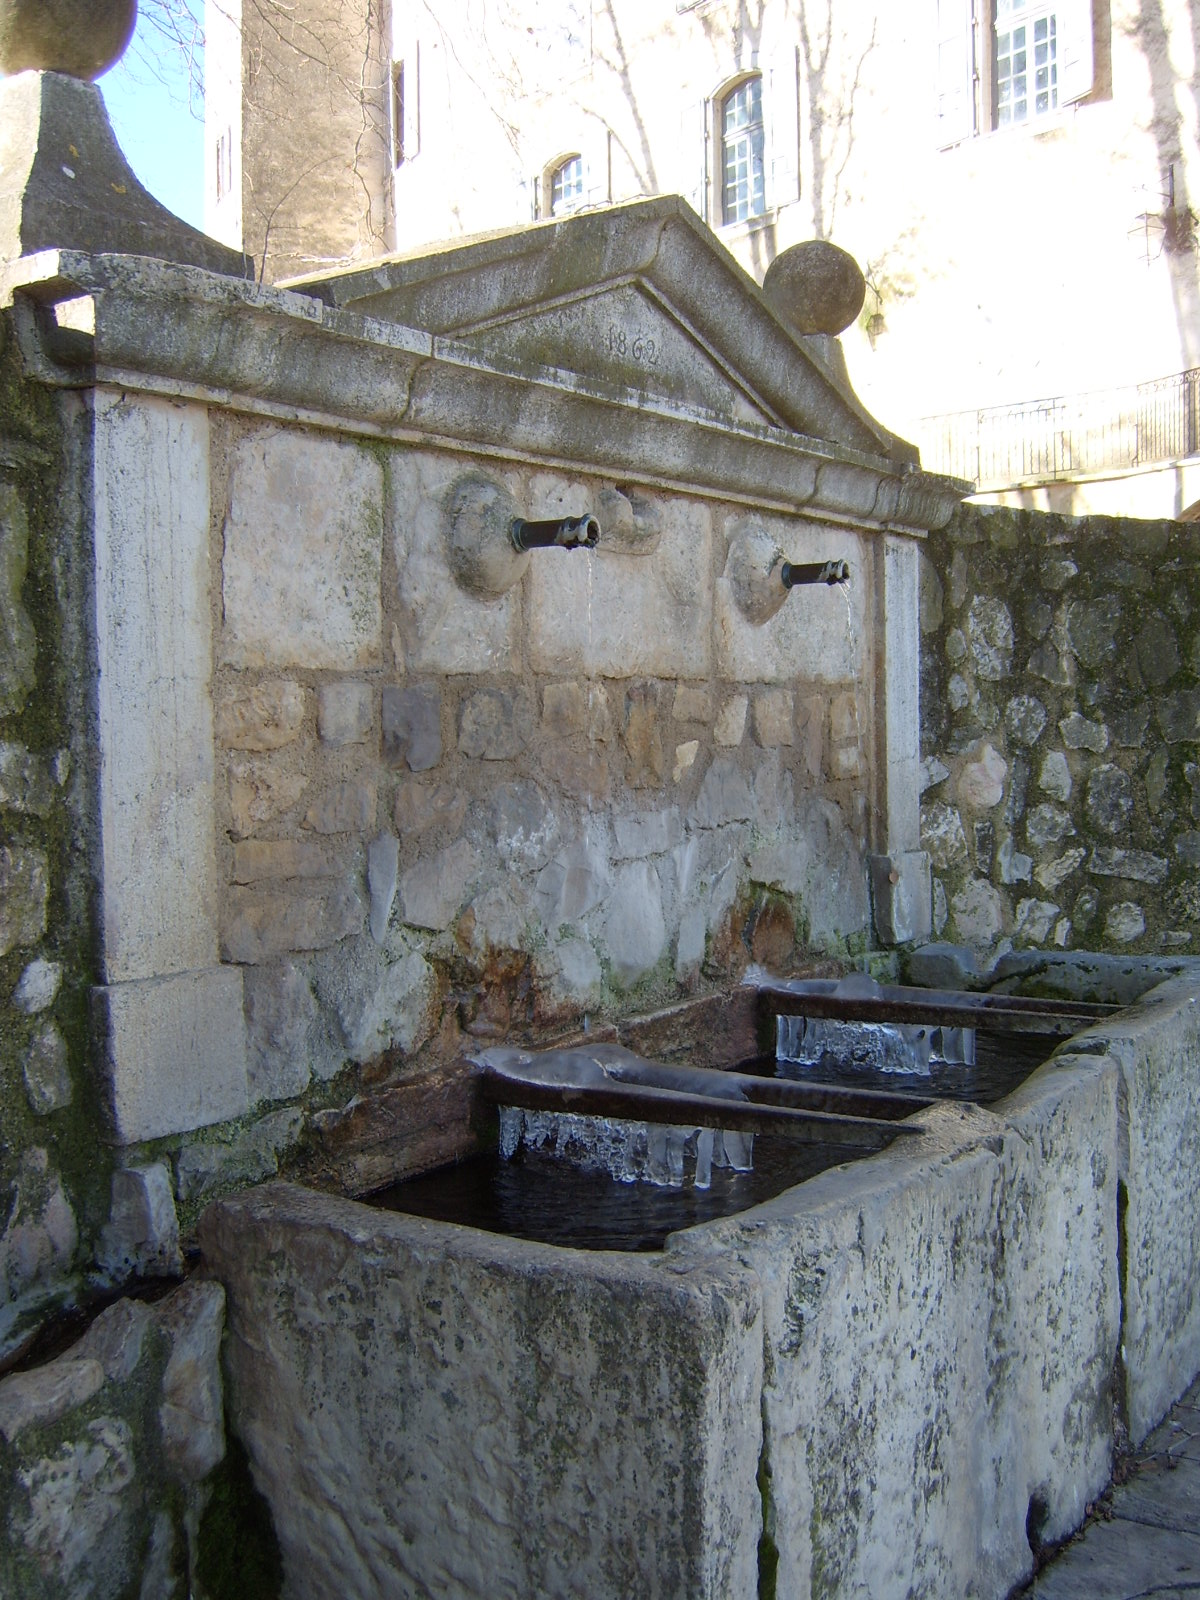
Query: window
point(566, 186)
point(743, 145)
point(405, 98)
point(1026, 57)
point(1004, 63)
point(224, 165)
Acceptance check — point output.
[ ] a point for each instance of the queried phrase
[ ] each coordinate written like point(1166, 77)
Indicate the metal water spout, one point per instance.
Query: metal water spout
point(759, 577)
point(488, 542)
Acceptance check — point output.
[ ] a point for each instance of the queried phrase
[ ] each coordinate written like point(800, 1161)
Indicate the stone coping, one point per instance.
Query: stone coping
point(180, 331)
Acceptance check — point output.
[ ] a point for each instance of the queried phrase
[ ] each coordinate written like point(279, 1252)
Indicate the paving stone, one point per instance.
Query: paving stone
point(1109, 798)
point(1054, 778)
point(46, 1071)
point(26, 781)
point(731, 721)
point(24, 888)
point(1124, 1560)
point(142, 1231)
point(428, 805)
point(266, 860)
point(412, 725)
point(495, 725)
point(942, 835)
point(645, 758)
point(774, 711)
point(280, 1009)
point(260, 790)
point(261, 716)
point(345, 808)
point(981, 782)
point(258, 924)
point(38, 986)
point(1025, 718)
point(345, 712)
point(990, 637)
point(692, 704)
point(434, 890)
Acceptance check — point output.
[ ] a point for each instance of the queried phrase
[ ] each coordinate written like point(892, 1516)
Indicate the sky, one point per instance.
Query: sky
point(147, 98)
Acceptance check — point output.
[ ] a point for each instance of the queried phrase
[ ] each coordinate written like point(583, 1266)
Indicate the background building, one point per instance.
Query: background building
point(1015, 177)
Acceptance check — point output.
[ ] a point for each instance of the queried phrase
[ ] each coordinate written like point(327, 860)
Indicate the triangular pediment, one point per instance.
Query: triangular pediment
point(641, 300)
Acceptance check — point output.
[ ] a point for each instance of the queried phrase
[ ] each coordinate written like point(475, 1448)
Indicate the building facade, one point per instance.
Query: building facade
point(1015, 177)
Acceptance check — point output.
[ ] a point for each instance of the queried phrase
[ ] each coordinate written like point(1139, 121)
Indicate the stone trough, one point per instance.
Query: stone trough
point(902, 1376)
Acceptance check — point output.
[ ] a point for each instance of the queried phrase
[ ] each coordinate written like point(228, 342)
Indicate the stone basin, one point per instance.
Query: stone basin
point(899, 1377)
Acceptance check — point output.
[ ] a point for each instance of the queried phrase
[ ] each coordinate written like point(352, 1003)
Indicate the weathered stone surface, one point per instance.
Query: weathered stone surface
point(685, 759)
point(942, 835)
point(1050, 874)
point(428, 805)
point(1034, 920)
point(645, 758)
point(978, 911)
point(1080, 734)
point(46, 1071)
point(38, 986)
point(724, 796)
point(26, 782)
point(900, 893)
point(38, 1398)
point(1109, 798)
point(280, 1010)
point(1091, 628)
point(345, 712)
point(260, 791)
point(192, 1414)
point(258, 924)
point(564, 709)
point(1139, 866)
point(933, 772)
point(1025, 717)
point(345, 808)
point(433, 891)
point(1053, 666)
point(774, 711)
point(24, 888)
point(250, 1156)
point(1014, 865)
point(142, 1232)
point(1124, 922)
point(1157, 650)
point(1048, 824)
point(174, 1052)
point(635, 929)
point(412, 725)
point(816, 287)
point(570, 885)
point(981, 782)
point(523, 826)
point(692, 703)
point(990, 637)
point(498, 1309)
point(260, 716)
point(80, 1515)
point(18, 641)
point(649, 833)
point(731, 721)
point(495, 724)
point(302, 553)
point(268, 860)
point(570, 971)
point(1054, 778)
point(818, 859)
point(1178, 715)
point(1129, 728)
point(383, 871)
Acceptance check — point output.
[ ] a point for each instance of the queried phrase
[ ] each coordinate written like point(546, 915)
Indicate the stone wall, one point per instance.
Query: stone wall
point(53, 1175)
point(1060, 696)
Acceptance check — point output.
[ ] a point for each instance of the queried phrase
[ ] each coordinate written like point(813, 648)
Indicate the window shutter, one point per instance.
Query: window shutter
point(412, 100)
point(1076, 72)
point(955, 88)
point(597, 186)
point(693, 157)
point(529, 196)
point(783, 128)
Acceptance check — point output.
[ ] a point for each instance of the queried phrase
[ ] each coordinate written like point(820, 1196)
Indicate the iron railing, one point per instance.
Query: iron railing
point(1070, 437)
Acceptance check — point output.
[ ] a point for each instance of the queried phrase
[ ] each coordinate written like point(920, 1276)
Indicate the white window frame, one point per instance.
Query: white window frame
point(750, 192)
point(567, 200)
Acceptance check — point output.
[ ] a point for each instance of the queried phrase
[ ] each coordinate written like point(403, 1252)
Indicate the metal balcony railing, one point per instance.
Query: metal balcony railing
point(1070, 437)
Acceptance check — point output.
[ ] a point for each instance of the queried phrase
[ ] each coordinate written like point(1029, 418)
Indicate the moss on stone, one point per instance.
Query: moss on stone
point(237, 1556)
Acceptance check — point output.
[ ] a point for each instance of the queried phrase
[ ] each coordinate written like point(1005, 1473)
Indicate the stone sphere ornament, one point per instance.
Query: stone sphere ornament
point(79, 38)
point(815, 287)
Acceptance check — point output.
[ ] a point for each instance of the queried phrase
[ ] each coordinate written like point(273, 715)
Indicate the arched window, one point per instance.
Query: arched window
point(743, 182)
point(566, 186)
